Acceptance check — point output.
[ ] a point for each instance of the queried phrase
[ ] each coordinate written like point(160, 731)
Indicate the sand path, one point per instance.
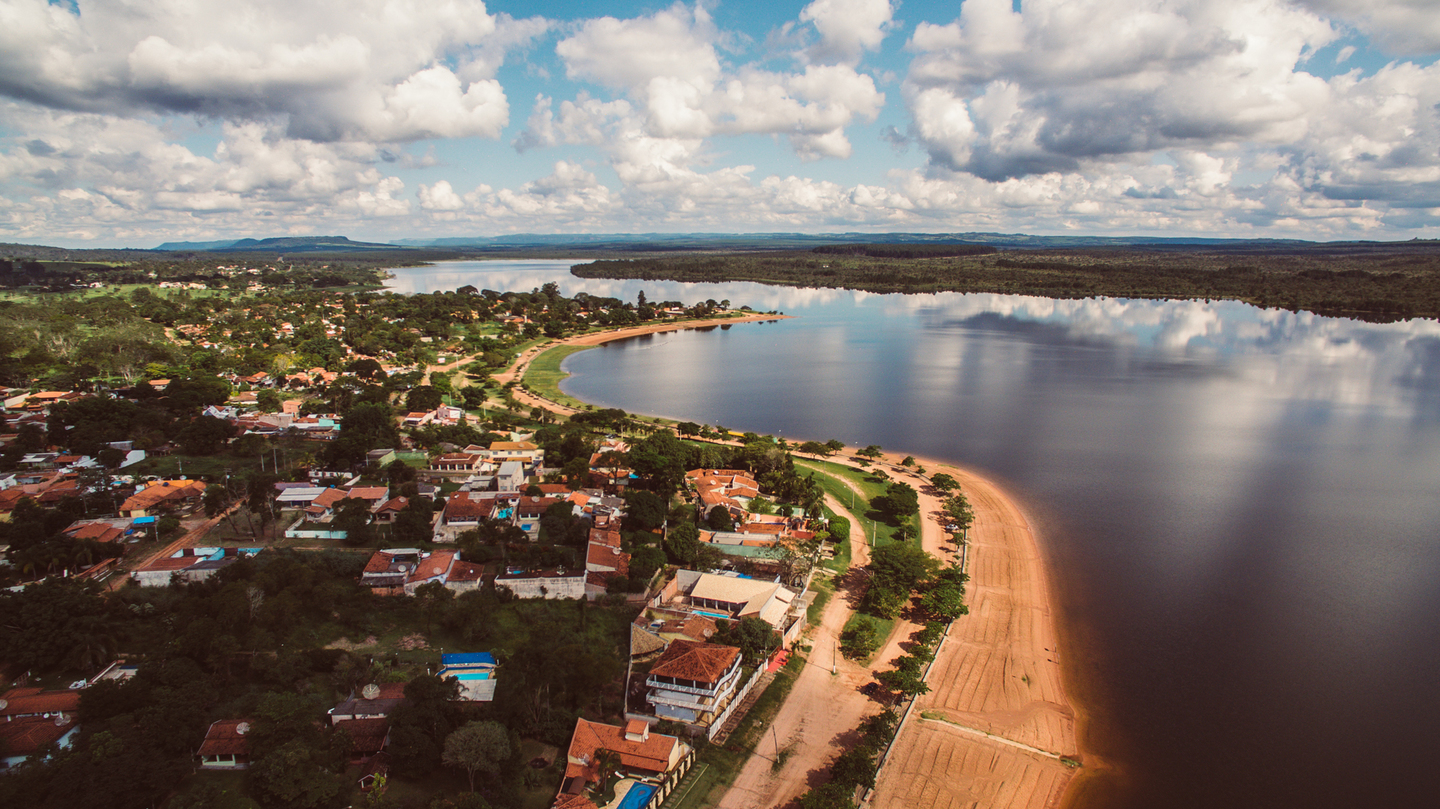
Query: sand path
point(819, 718)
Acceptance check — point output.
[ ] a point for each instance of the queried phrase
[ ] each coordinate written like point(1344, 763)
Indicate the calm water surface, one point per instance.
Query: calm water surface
point(1241, 507)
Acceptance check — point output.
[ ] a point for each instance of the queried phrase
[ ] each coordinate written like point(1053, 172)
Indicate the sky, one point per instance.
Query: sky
point(127, 123)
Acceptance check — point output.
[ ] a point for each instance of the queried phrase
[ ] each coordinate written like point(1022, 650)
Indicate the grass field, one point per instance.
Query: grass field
point(543, 375)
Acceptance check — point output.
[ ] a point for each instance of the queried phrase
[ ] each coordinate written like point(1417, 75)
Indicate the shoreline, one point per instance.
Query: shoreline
point(1000, 671)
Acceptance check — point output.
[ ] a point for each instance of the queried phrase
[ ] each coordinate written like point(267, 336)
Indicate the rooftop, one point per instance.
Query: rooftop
point(698, 662)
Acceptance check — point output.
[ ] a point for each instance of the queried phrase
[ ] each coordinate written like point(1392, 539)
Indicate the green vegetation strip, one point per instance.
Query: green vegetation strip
point(723, 763)
point(543, 375)
point(823, 589)
point(1375, 281)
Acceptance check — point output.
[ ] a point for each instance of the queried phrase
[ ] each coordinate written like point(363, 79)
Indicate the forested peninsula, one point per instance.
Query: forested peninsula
point(1378, 282)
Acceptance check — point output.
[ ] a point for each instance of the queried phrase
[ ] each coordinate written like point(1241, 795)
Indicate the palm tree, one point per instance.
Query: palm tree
point(605, 763)
point(92, 649)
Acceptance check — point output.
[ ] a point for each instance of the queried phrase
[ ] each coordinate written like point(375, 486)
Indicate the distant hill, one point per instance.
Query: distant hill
point(292, 244)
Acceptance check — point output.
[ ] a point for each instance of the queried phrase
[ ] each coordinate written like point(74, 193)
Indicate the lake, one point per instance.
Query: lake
point(1239, 506)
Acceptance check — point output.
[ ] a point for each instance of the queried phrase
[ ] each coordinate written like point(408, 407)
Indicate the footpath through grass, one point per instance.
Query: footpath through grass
point(832, 477)
point(722, 763)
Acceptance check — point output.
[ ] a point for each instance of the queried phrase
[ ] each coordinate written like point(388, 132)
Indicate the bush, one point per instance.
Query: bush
point(860, 640)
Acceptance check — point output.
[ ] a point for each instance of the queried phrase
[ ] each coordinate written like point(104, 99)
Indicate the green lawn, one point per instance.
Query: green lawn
point(823, 588)
point(872, 484)
point(543, 375)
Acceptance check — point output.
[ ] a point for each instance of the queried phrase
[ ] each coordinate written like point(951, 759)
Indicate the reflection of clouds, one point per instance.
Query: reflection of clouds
point(1285, 354)
point(1288, 354)
point(525, 275)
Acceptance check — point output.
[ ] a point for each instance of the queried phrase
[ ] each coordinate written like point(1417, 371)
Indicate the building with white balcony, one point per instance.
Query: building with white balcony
point(694, 682)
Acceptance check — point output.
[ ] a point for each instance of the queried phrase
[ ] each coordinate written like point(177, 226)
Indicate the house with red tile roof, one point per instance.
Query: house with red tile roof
point(464, 511)
point(23, 738)
point(464, 576)
point(652, 759)
point(386, 512)
point(602, 563)
point(37, 703)
point(432, 566)
point(225, 746)
point(163, 497)
point(693, 682)
point(367, 737)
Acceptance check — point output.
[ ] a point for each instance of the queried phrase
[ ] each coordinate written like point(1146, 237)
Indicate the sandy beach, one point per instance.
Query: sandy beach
point(997, 729)
point(994, 728)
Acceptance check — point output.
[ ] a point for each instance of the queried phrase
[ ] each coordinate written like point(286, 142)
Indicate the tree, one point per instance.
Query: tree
point(899, 500)
point(477, 747)
point(644, 510)
point(860, 640)
point(291, 778)
point(719, 519)
point(833, 795)
point(754, 637)
point(423, 399)
point(957, 508)
point(871, 451)
point(902, 567)
point(415, 521)
point(268, 400)
point(905, 678)
point(206, 435)
point(946, 602)
point(682, 543)
point(352, 515)
point(944, 482)
point(433, 598)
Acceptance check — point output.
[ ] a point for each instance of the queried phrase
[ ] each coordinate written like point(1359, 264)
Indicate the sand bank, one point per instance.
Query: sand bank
point(997, 728)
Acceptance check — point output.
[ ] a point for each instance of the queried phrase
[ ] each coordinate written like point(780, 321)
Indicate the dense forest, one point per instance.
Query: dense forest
point(1370, 281)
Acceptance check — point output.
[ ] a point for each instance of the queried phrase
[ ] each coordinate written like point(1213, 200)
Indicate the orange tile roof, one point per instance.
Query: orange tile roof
point(24, 736)
point(367, 736)
point(165, 491)
point(651, 755)
point(225, 739)
point(607, 557)
point(700, 662)
point(433, 565)
point(465, 571)
point(328, 498)
point(380, 562)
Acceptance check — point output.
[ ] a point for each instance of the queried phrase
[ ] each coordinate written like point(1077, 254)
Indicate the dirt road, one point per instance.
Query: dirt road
point(819, 718)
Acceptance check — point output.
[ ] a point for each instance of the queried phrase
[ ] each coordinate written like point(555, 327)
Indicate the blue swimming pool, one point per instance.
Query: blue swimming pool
point(638, 797)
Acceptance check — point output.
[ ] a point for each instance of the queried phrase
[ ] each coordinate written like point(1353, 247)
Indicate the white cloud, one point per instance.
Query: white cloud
point(1063, 83)
point(328, 70)
point(847, 28)
point(680, 93)
point(440, 197)
point(1400, 26)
